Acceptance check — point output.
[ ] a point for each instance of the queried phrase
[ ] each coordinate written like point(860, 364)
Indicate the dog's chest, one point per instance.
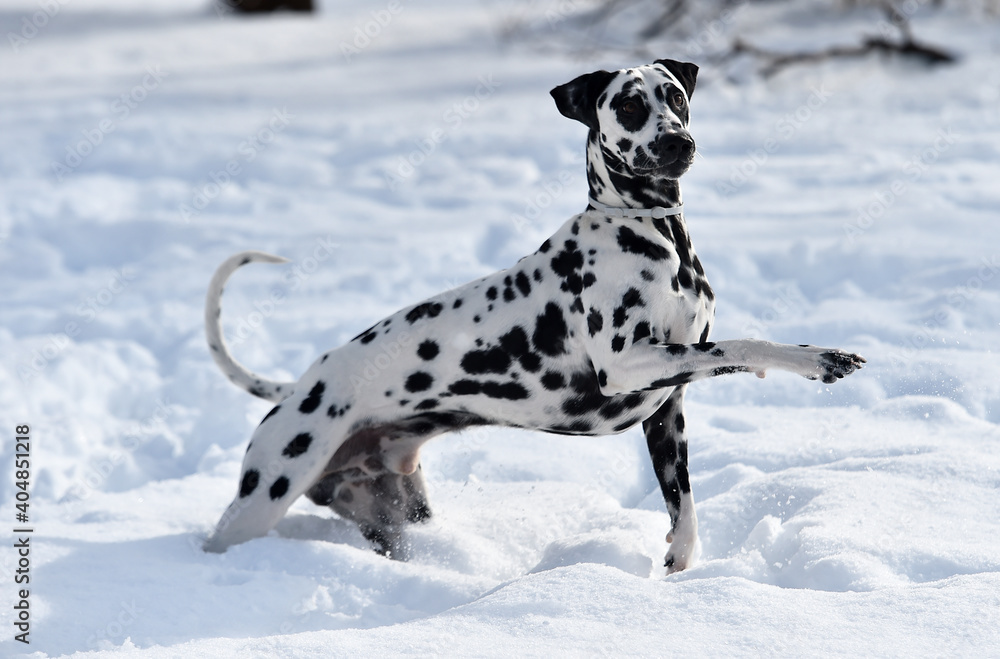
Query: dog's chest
point(643, 280)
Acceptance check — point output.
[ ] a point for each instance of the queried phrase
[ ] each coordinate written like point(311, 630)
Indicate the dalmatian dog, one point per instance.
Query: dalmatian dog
point(599, 330)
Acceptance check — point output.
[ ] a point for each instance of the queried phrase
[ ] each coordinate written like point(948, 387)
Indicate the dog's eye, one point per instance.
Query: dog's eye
point(630, 107)
point(677, 99)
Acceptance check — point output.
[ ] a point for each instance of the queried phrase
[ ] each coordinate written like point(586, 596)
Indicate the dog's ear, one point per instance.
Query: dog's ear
point(577, 99)
point(685, 72)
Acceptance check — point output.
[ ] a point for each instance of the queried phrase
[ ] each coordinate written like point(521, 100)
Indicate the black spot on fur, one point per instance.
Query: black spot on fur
point(675, 381)
point(550, 332)
point(368, 338)
point(553, 381)
point(428, 404)
point(595, 321)
point(523, 285)
point(419, 381)
point(677, 349)
point(429, 309)
point(280, 488)
point(684, 278)
point(505, 390)
point(546, 246)
point(515, 342)
point(315, 397)
point(494, 360)
point(619, 317)
point(641, 332)
point(457, 303)
point(297, 446)
point(632, 298)
point(625, 425)
point(618, 343)
point(633, 243)
point(726, 370)
point(333, 411)
point(624, 145)
point(509, 295)
point(465, 387)
point(491, 293)
point(629, 99)
point(428, 350)
point(704, 346)
point(647, 275)
point(249, 482)
point(679, 423)
point(568, 260)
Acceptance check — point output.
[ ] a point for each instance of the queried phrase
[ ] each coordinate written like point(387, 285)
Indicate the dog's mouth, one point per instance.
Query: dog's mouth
point(671, 170)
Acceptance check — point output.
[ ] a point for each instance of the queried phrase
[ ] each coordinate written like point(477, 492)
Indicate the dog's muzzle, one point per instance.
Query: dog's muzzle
point(670, 155)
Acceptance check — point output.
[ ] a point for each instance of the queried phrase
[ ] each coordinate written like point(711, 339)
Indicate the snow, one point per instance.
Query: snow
point(848, 204)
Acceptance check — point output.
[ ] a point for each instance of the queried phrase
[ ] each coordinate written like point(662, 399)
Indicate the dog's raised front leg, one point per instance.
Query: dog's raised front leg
point(668, 450)
point(647, 365)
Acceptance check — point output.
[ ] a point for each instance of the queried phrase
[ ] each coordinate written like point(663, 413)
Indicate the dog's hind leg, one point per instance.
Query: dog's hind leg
point(380, 505)
point(667, 443)
point(288, 452)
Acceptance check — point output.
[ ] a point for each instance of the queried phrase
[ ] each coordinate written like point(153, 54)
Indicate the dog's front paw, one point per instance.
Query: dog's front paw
point(826, 364)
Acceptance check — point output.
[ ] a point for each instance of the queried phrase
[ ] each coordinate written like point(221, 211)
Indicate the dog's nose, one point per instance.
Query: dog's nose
point(672, 147)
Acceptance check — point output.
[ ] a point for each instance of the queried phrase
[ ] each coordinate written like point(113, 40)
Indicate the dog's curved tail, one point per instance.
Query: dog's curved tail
point(236, 372)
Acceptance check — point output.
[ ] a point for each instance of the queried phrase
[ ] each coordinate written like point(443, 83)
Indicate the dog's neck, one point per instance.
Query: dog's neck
point(613, 184)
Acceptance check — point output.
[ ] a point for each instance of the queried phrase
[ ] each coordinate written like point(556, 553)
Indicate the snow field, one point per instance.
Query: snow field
point(849, 205)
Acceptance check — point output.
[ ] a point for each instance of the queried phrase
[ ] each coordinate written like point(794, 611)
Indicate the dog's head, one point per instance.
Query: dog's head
point(639, 116)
